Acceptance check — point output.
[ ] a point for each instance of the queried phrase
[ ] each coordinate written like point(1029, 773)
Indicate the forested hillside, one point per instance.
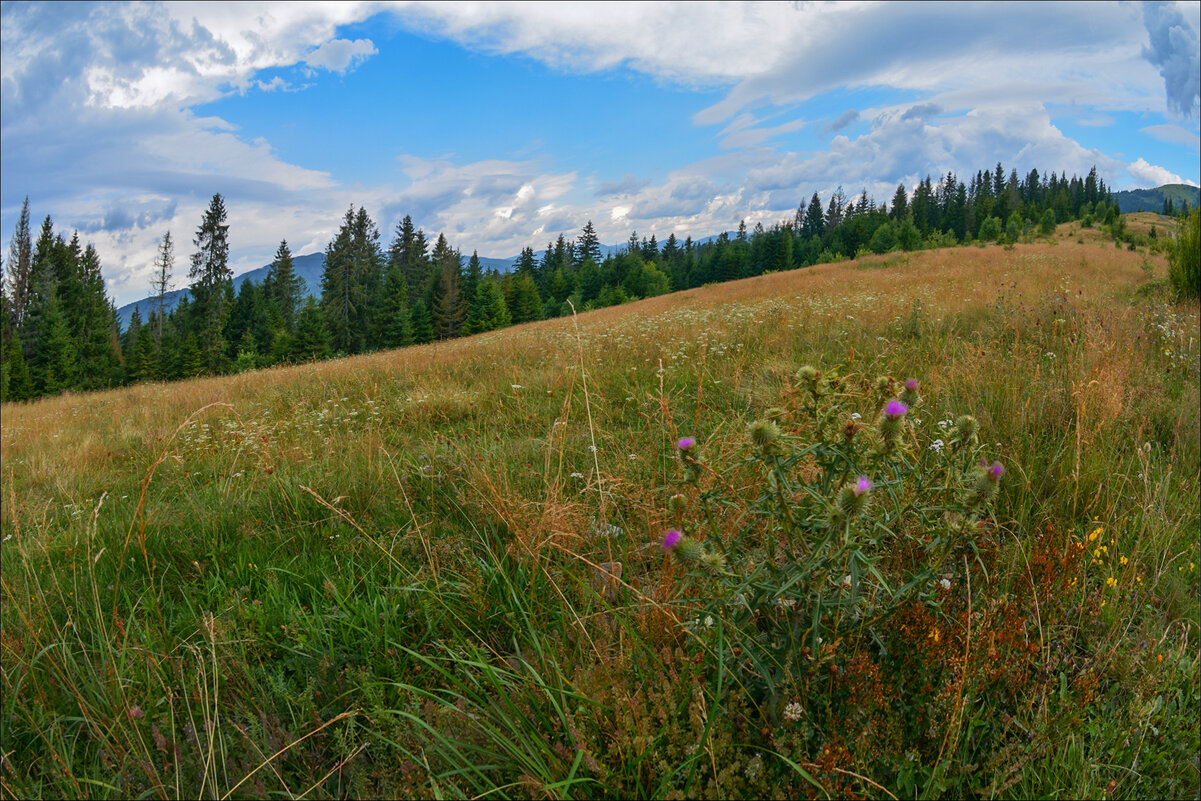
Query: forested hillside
point(60, 330)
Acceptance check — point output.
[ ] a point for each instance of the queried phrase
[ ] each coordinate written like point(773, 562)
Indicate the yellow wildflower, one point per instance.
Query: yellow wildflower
point(1097, 532)
point(1111, 581)
point(1125, 560)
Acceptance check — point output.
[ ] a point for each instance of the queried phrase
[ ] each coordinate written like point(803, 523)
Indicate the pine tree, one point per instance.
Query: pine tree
point(814, 221)
point(526, 305)
point(588, 245)
point(397, 323)
point(145, 364)
point(284, 287)
point(99, 358)
point(20, 260)
point(423, 327)
point(311, 340)
point(488, 309)
point(164, 263)
point(18, 386)
point(446, 309)
point(212, 283)
point(900, 203)
point(54, 370)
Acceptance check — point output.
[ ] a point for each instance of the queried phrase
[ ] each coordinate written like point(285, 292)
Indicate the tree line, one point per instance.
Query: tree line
point(59, 329)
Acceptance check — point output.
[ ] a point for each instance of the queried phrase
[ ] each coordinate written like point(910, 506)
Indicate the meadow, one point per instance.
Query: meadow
point(440, 571)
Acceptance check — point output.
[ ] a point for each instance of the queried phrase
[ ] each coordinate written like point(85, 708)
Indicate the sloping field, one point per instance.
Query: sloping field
point(397, 574)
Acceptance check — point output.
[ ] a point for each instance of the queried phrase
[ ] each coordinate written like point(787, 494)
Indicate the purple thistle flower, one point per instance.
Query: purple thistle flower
point(911, 385)
point(895, 409)
point(996, 471)
point(862, 486)
point(686, 443)
point(671, 538)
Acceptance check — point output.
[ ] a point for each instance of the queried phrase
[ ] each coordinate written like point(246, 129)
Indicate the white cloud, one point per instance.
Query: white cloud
point(1173, 134)
point(339, 55)
point(1149, 176)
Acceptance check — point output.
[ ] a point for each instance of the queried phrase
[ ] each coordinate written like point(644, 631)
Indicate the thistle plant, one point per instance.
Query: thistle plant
point(852, 521)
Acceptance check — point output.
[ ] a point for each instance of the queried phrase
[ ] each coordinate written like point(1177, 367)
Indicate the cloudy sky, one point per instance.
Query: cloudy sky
point(505, 125)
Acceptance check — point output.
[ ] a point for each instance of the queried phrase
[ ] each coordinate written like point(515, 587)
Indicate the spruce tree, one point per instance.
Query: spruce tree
point(527, 305)
point(423, 327)
point(446, 309)
point(212, 283)
point(588, 245)
point(283, 286)
point(311, 340)
point(18, 386)
point(19, 263)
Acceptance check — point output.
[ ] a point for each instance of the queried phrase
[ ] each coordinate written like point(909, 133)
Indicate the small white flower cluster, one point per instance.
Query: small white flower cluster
point(794, 712)
point(945, 424)
point(937, 445)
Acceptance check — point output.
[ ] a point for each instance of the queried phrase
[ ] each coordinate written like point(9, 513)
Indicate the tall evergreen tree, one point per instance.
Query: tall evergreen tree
point(164, 263)
point(20, 260)
point(283, 287)
point(212, 283)
point(446, 306)
point(588, 245)
point(312, 338)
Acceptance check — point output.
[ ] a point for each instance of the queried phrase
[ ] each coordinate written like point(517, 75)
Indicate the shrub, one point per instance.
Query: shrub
point(1184, 258)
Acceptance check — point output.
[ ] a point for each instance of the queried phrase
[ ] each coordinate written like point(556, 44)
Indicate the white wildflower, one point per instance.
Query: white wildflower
point(794, 712)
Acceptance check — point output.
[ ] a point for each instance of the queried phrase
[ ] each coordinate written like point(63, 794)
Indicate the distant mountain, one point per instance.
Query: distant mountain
point(1153, 199)
point(308, 267)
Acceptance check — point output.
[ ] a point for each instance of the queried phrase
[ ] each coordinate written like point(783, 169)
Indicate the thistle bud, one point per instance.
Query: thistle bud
point(713, 563)
point(884, 386)
point(776, 414)
point(763, 433)
point(966, 431)
point(985, 482)
point(891, 424)
point(688, 552)
point(677, 504)
point(909, 395)
point(692, 472)
point(852, 499)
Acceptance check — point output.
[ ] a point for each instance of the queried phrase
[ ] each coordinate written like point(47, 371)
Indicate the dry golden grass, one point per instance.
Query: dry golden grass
point(81, 434)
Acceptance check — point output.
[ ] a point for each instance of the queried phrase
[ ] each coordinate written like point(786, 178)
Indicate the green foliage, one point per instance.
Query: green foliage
point(990, 231)
point(1184, 258)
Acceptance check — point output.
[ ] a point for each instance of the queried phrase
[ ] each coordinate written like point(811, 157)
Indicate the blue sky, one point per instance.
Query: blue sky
point(504, 125)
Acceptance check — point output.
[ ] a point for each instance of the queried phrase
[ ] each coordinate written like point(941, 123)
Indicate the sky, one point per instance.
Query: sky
point(504, 125)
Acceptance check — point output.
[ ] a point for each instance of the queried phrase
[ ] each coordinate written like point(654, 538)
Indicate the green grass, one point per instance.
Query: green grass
point(377, 576)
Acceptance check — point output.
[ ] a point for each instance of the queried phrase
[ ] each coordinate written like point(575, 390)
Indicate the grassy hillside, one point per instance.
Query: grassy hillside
point(1133, 200)
point(440, 571)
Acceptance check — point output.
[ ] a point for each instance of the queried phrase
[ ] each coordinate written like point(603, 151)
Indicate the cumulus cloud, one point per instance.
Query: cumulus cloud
point(1174, 50)
point(339, 55)
point(1149, 176)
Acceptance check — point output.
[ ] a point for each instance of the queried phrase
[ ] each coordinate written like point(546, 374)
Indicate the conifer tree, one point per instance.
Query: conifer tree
point(311, 340)
point(212, 283)
point(283, 287)
point(17, 385)
point(396, 324)
point(488, 310)
point(54, 368)
point(446, 309)
point(19, 263)
point(588, 245)
point(423, 327)
point(164, 263)
point(526, 305)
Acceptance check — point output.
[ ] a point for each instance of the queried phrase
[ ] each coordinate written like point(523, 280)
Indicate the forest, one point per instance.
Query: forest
point(60, 330)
